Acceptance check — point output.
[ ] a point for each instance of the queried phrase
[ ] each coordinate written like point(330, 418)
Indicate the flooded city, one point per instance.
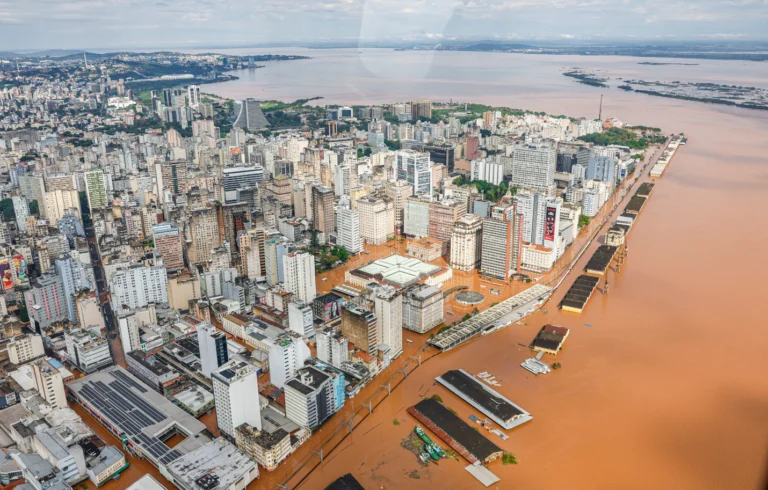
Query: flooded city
point(648, 395)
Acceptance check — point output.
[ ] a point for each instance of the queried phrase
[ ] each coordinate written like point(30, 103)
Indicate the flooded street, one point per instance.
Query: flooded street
point(657, 388)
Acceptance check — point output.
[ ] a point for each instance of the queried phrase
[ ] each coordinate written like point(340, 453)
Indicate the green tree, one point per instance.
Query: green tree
point(314, 242)
point(583, 220)
point(34, 208)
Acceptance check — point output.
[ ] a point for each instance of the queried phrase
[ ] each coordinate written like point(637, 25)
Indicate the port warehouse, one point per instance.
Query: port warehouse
point(550, 339)
point(601, 259)
point(460, 436)
point(499, 409)
point(140, 417)
point(486, 319)
point(578, 295)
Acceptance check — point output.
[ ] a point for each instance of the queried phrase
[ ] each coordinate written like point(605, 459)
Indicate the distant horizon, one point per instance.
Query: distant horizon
point(397, 42)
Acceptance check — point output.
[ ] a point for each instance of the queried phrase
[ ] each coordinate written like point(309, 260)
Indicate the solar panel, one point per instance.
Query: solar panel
point(127, 379)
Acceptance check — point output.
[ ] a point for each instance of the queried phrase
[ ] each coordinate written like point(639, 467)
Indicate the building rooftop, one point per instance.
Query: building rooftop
point(217, 462)
point(398, 270)
point(146, 482)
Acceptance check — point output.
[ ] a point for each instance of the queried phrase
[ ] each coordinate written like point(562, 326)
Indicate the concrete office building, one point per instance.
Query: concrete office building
point(300, 319)
point(348, 230)
point(467, 243)
point(138, 286)
point(398, 191)
point(377, 219)
point(46, 301)
point(203, 235)
point(234, 179)
point(359, 327)
point(422, 308)
point(300, 275)
point(49, 383)
point(75, 277)
point(442, 216)
point(416, 217)
point(332, 347)
point(388, 308)
point(248, 116)
point(313, 396)
point(58, 203)
point(415, 169)
point(213, 348)
point(496, 258)
point(128, 328)
point(32, 187)
point(25, 347)
point(236, 391)
point(487, 170)
point(602, 168)
point(286, 355)
point(322, 211)
point(168, 245)
point(534, 167)
point(87, 350)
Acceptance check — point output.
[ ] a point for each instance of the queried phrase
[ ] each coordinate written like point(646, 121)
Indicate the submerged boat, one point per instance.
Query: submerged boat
point(432, 453)
point(424, 437)
point(438, 450)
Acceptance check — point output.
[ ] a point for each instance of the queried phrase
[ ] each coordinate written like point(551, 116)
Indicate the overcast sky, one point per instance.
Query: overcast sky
point(93, 24)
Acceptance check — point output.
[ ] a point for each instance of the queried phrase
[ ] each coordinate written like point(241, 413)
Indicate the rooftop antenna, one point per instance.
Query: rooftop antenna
point(600, 114)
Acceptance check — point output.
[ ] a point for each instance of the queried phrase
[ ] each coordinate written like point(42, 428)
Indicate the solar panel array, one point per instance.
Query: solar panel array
point(129, 412)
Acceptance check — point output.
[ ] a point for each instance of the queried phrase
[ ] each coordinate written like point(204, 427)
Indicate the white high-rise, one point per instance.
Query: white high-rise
point(213, 348)
point(388, 307)
point(286, 355)
point(299, 270)
point(139, 286)
point(58, 202)
point(236, 395)
point(377, 219)
point(534, 166)
point(129, 331)
point(300, 319)
point(489, 171)
point(348, 230)
point(467, 243)
point(21, 209)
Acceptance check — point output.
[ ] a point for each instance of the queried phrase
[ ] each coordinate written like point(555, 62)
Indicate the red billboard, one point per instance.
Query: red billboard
point(549, 224)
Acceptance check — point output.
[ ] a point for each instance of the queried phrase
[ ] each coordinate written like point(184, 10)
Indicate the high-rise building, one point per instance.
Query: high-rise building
point(171, 176)
point(49, 383)
point(213, 348)
point(541, 216)
point(32, 186)
point(442, 216)
point(345, 179)
point(138, 286)
point(442, 155)
point(248, 116)
point(46, 301)
point(467, 243)
point(24, 347)
point(487, 170)
point(95, 189)
point(422, 308)
point(348, 234)
point(602, 168)
point(591, 202)
point(358, 325)
point(377, 217)
point(398, 191)
point(87, 350)
point(168, 245)
point(299, 270)
point(128, 327)
point(388, 308)
point(416, 217)
point(74, 278)
point(322, 210)
point(58, 203)
point(312, 396)
point(415, 169)
point(193, 95)
point(236, 179)
point(236, 395)
point(252, 254)
point(534, 167)
point(203, 234)
point(473, 148)
point(21, 209)
point(421, 109)
point(496, 257)
point(301, 320)
point(332, 347)
point(286, 356)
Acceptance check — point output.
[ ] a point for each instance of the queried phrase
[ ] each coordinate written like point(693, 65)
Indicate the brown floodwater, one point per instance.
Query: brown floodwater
point(663, 381)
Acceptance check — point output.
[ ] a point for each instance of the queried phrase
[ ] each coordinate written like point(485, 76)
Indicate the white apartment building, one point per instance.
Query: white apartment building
point(236, 394)
point(591, 203)
point(489, 171)
point(414, 168)
point(416, 218)
point(537, 258)
point(388, 307)
point(213, 348)
point(128, 328)
point(422, 308)
point(534, 166)
point(138, 286)
point(58, 202)
point(348, 230)
point(467, 243)
point(286, 355)
point(25, 347)
point(377, 219)
point(21, 209)
point(49, 383)
point(299, 270)
point(332, 347)
point(300, 320)
point(87, 350)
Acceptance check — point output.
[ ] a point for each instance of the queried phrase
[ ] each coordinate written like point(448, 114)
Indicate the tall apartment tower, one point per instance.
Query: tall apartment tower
point(128, 328)
point(286, 355)
point(501, 252)
point(348, 234)
point(213, 348)
point(95, 189)
point(168, 245)
point(534, 167)
point(399, 191)
point(467, 243)
point(377, 219)
point(358, 325)
point(203, 234)
point(49, 383)
point(299, 270)
point(421, 108)
point(322, 210)
point(388, 308)
point(21, 209)
point(236, 395)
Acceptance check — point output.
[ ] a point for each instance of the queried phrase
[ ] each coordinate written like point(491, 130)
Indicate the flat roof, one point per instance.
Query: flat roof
point(398, 270)
point(146, 482)
point(462, 433)
point(140, 414)
point(219, 459)
point(345, 482)
point(601, 259)
point(491, 403)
